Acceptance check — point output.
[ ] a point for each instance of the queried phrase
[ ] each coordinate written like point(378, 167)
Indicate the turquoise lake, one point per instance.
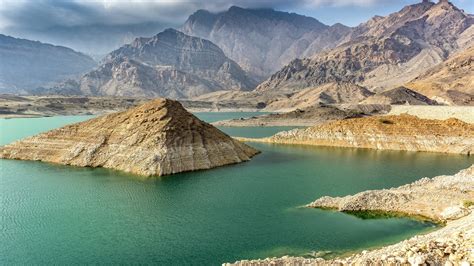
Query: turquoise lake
point(52, 214)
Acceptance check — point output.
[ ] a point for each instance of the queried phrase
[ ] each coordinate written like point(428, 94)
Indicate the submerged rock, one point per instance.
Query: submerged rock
point(156, 138)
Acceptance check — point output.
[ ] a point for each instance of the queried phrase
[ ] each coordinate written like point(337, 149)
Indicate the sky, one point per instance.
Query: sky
point(69, 22)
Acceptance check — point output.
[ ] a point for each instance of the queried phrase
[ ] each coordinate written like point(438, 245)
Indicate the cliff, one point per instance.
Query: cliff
point(403, 132)
point(156, 138)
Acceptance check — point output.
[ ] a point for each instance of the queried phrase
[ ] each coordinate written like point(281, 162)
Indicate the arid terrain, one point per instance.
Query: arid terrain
point(392, 132)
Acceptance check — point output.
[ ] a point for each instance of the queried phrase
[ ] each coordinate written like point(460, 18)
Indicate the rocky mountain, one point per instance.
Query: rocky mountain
point(26, 64)
point(157, 138)
point(170, 64)
point(263, 40)
point(451, 82)
point(398, 96)
point(384, 52)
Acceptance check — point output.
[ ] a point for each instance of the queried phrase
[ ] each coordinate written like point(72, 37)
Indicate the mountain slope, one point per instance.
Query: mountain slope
point(263, 40)
point(26, 64)
point(383, 53)
point(170, 64)
point(451, 82)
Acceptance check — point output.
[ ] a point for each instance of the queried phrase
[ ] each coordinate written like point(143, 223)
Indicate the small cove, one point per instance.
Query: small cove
point(67, 215)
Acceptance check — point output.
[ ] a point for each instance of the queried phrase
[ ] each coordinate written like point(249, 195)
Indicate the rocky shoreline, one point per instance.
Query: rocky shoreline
point(402, 132)
point(447, 199)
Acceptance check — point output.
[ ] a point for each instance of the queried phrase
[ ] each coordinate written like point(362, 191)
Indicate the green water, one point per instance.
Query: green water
point(53, 214)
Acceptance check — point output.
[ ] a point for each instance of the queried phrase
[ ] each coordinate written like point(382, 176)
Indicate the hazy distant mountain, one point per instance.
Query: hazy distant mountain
point(170, 64)
point(94, 40)
point(26, 64)
point(261, 41)
point(384, 52)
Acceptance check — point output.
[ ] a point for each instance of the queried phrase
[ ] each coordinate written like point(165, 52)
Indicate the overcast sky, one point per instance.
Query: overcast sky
point(36, 18)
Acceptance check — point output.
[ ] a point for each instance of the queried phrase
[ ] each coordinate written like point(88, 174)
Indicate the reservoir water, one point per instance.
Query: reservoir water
point(52, 214)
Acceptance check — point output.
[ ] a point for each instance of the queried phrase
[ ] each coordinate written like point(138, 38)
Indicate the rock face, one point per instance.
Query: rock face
point(436, 198)
point(26, 64)
point(170, 64)
point(402, 132)
point(398, 96)
point(263, 40)
point(450, 245)
point(385, 52)
point(157, 138)
point(451, 82)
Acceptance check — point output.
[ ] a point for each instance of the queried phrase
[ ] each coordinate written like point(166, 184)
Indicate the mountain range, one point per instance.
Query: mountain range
point(26, 64)
point(170, 64)
point(426, 47)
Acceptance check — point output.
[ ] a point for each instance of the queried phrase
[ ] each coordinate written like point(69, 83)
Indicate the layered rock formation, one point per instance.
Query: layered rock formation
point(451, 82)
point(156, 138)
point(170, 64)
point(398, 96)
point(402, 132)
point(438, 199)
point(445, 198)
point(263, 40)
point(385, 52)
point(27, 64)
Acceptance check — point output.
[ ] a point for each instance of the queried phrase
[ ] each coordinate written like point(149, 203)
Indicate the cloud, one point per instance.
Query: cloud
point(42, 14)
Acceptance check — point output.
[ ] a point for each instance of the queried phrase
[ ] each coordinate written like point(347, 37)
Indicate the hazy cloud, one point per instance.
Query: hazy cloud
point(42, 14)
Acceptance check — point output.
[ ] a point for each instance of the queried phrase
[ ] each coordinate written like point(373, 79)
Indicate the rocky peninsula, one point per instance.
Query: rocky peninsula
point(448, 199)
point(157, 138)
point(391, 132)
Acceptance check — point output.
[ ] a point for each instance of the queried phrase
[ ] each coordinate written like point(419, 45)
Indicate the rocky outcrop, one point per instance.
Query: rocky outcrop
point(445, 198)
point(156, 138)
point(402, 132)
point(170, 64)
point(383, 53)
point(439, 198)
point(263, 40)
point(398, 96)
point(331, 93)
point(28, 64)
point(451, 82)
point(309, 116)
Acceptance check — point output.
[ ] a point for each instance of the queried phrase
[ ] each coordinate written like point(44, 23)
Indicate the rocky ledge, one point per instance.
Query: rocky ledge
point(443, 198)
point(157, 138)
point(392, 132)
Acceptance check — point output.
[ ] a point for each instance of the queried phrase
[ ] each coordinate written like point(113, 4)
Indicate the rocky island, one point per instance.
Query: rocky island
point(157, 138)
point(444, 198)
point(391, 132)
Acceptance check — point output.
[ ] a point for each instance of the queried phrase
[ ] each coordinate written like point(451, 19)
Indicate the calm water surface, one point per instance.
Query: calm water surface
point(65, 215)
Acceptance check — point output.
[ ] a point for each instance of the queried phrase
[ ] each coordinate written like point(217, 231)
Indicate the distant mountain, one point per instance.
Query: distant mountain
point(264, 40)
point(26, 64)
point(170, 64)
point(451, 82)
point(399, 96)
point(384, 52)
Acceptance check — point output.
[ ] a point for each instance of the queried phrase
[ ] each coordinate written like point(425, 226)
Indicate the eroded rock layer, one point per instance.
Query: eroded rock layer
point(156, 138)
point(402, 132)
